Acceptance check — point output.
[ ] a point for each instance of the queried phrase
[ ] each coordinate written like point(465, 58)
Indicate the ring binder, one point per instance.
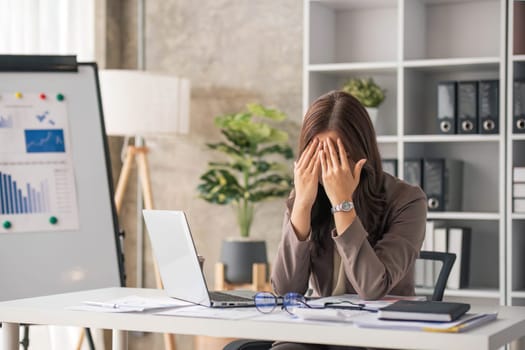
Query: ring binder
point(442, 182)
point(447, 107)
point(467, 107)
point(389, 166)
point(413, 172)
point(519, 107)
point(488, 105)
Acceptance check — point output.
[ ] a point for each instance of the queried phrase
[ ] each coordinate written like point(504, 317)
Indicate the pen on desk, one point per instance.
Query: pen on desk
point(102, 304)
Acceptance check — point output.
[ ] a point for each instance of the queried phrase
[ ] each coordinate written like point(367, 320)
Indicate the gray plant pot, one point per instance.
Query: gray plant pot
point(238, 256)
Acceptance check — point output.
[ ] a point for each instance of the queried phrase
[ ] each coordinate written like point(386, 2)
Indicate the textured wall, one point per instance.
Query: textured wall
point(234, 52)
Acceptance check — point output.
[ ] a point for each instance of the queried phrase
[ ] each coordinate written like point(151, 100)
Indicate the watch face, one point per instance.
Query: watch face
point(346, 206)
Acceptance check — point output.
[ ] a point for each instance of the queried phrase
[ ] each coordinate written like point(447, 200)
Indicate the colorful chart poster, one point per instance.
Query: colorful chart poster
point(37, 180)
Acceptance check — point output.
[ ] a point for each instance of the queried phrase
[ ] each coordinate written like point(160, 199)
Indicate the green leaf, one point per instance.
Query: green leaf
point(275, 180)
point(283, 150)
point(259, 110)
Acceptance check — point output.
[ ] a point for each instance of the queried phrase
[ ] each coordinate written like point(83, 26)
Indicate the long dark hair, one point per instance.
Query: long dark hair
point(341, 112)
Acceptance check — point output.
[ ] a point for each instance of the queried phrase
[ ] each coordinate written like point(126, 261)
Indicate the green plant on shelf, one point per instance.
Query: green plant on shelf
point(366, 91)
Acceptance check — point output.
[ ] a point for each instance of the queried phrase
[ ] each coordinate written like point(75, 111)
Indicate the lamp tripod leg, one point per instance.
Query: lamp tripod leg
point(123, 178)
point(145, 183)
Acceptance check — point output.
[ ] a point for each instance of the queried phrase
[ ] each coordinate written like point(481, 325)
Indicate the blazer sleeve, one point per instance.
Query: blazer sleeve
point(374, 271)
point(291, 268)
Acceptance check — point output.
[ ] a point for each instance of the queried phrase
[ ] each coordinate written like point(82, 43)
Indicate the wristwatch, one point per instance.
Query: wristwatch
point(343, 206)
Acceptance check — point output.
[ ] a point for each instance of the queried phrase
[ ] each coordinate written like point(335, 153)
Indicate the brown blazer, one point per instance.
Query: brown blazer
point(371, 272)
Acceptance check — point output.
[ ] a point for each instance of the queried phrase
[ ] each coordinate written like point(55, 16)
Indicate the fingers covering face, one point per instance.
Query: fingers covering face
point(342, 154)
point(309, 160)
point(335, 153)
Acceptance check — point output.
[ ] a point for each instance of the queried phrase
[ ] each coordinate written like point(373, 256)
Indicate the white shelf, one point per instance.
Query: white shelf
point(355, 4)
point(518, 58)
point(360, 67)
point(387, 139)
point(518, 137)
point(468, 293)
point(454, 64)
point(451, 138)
point(518, 294)
point(433, 215)
point(518, 216)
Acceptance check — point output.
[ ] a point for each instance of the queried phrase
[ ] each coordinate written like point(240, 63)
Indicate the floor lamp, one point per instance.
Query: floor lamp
point(140, 103)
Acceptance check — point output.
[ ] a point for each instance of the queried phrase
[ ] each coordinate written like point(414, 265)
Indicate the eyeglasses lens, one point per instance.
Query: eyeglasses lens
point(292, 301)
point(265, 302)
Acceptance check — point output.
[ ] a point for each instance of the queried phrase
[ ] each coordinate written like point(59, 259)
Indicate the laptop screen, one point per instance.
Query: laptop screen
point(176, 255)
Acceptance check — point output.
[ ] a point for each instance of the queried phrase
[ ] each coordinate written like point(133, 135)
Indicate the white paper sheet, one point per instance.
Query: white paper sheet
point(209, 312)
point(130, 303)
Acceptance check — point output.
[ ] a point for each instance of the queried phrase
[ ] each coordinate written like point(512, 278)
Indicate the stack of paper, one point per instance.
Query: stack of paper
point(129, 304)
point(466, 322)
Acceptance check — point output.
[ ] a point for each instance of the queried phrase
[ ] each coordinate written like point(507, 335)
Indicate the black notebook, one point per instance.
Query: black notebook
point(414, 310)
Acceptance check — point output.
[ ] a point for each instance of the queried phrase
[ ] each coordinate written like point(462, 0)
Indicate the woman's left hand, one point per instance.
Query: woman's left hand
point(339, 181)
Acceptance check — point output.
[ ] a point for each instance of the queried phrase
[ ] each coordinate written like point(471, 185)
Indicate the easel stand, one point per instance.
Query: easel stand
point(139, 154)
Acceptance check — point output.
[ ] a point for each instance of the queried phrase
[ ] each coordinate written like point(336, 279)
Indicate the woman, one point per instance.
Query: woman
point(349, 227)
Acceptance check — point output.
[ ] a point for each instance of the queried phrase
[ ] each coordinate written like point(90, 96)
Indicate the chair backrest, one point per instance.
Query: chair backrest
point(447, 260)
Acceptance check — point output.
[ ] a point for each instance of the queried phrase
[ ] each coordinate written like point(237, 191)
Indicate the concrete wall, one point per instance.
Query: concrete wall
point(234, 52)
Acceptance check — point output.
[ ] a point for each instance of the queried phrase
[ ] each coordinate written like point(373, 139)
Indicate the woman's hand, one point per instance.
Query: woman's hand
point(306, 183)
point(338, 180)
point(306, 176)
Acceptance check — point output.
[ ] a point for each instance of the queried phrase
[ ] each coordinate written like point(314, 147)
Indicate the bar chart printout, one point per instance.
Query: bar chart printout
point(37, 180)
point(33, 199)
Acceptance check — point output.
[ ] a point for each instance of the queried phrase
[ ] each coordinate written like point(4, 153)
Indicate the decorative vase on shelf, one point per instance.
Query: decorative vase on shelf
point(372, 112)
point(238, 255)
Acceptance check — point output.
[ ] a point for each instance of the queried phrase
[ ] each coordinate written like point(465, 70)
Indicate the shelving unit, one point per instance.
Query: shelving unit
point(408, 46)
point(515, 222)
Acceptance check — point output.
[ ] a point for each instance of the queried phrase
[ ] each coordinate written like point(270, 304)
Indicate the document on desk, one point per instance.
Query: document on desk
point(130, 303)
point(233, 313)
point(353, 301)
point(327, 314)
point(466, 322)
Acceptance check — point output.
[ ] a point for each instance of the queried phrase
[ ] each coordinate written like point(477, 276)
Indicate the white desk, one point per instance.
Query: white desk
point(51, 310)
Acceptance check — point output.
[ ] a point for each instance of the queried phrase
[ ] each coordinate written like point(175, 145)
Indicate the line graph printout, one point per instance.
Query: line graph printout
point(37, 180)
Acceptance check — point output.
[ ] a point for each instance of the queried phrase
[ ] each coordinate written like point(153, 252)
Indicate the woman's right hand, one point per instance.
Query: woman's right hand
point(306, 176)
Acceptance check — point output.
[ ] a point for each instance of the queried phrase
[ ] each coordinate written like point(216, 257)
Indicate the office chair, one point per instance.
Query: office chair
point(447, 260)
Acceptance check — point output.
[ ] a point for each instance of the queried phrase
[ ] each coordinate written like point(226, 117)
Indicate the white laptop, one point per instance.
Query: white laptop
point(178, 263)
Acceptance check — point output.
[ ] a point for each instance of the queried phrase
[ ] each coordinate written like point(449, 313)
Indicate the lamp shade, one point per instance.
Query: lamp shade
point(144, 103)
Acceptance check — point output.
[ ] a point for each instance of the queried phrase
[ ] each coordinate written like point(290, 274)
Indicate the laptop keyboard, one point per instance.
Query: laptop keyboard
point(220, 296)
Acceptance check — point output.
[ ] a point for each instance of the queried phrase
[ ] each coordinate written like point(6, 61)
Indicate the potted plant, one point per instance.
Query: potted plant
point(253, 170)
point(368, 93)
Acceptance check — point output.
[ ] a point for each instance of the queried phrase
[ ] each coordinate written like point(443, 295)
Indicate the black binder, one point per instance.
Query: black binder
point(389, 166)
point(467, 107)
point(518, 124)
point(443, 184)
point(447, 107)
point(488, 106)
point(413, 169)
point(423, 310)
